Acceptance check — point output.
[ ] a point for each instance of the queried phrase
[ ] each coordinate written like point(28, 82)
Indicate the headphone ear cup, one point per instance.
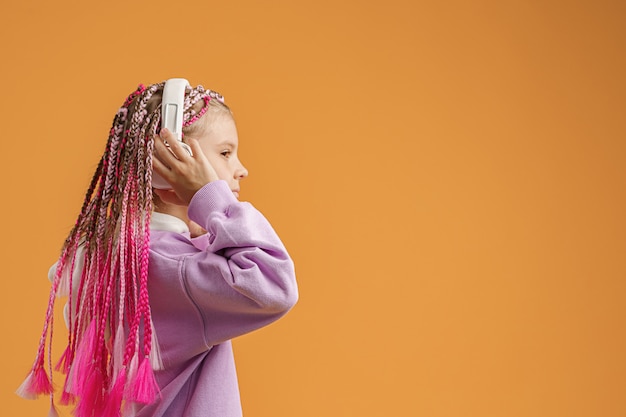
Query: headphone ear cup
point(158, 181)
point(172, 118)
point(186, 147)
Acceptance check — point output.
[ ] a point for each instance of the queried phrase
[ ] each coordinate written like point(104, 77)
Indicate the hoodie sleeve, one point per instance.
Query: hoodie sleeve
point(244, 279)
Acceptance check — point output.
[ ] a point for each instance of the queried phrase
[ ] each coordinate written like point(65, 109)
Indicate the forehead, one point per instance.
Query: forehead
point(219, 127)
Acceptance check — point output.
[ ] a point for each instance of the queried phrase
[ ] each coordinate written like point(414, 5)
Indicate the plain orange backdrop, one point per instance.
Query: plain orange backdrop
point(449, 178)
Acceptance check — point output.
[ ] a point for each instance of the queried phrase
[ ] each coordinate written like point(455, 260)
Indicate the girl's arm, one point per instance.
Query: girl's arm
point(245, 278)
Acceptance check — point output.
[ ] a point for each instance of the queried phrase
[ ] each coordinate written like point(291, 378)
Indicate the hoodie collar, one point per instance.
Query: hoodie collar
point(168, 223)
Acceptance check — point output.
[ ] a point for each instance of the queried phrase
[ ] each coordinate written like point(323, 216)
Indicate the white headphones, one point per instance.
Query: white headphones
point(172, 108)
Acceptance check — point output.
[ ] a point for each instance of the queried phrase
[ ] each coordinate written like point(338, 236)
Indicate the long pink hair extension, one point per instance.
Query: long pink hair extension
point(111, 352)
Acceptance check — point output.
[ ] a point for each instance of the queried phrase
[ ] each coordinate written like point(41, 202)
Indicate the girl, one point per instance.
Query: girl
point(191, 265)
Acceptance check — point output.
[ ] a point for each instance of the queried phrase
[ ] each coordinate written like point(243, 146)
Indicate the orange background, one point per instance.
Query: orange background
point(448, 176)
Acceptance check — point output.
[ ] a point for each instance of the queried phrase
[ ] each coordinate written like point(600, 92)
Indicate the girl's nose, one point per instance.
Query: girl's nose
point(241, 172)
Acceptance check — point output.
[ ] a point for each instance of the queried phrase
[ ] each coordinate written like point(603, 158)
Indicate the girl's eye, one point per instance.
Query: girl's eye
point(225, 154)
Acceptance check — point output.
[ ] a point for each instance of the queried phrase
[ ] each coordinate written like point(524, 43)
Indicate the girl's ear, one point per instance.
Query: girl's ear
point(169, 197)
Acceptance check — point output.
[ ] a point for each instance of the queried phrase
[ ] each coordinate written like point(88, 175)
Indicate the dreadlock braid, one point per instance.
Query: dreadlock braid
point(111, 350)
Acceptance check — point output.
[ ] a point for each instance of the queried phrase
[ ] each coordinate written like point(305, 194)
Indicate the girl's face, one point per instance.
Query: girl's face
point(219, 142)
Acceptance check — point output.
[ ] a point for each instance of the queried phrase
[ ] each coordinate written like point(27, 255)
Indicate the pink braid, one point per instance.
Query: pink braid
point(112, 236)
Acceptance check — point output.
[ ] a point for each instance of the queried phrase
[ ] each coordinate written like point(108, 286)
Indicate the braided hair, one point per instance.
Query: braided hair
point(112, 352)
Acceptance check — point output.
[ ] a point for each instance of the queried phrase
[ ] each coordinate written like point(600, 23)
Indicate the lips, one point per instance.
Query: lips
point(236, 192)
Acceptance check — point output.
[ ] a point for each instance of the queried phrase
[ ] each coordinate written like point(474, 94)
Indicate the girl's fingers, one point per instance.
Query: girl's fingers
point(207, 171)
point(185, 173)
point(160, 168)
point(162, 151)
point(174, 146)
point(194, 144)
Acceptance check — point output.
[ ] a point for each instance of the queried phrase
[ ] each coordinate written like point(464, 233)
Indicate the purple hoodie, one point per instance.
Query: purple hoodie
point(203, 292)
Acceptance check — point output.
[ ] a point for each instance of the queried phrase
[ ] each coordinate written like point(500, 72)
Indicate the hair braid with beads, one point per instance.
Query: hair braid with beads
point(111, 351)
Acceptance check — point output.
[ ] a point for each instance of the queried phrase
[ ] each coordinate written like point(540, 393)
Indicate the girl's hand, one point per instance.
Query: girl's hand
point(185, 173)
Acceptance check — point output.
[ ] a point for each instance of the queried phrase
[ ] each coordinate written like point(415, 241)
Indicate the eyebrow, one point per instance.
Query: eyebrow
point(226, 142)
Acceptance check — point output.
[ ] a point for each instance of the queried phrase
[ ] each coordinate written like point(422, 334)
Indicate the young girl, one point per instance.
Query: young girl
point(160, 280)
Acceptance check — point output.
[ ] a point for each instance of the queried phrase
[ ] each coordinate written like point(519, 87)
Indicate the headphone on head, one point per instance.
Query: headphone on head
point(172, 108)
